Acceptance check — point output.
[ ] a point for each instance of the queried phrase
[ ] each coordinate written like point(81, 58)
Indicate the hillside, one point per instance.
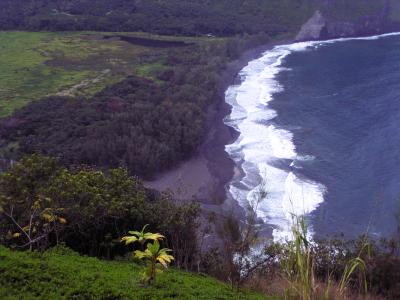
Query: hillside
point(63, 274)
point(189, 17)
point(351, 18)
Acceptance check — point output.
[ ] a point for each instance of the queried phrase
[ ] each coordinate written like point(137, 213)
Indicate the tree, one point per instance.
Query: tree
point(100, 207)
point(27, 216)
point(180, 223)
point(38, 196)
point(43, 203)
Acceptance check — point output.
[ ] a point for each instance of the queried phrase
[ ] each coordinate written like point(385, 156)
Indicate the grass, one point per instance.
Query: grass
point(24, 74)
point(298, 267)
point(149, 70)
point(34, 65)
point(299, 270)
point(63, 274)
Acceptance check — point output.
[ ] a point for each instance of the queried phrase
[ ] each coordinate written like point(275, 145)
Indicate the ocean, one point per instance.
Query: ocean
point(319, 129)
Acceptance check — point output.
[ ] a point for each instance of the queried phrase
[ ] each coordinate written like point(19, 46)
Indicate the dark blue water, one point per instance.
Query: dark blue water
point(341, 101)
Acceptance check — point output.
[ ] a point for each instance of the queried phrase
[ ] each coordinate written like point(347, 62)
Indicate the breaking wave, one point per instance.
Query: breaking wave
point(265, 152)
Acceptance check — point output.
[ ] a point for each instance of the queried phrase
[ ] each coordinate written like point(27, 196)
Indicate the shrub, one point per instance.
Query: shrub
point(90, 209)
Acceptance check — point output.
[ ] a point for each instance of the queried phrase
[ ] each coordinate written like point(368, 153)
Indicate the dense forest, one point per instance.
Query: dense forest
point(183, 17)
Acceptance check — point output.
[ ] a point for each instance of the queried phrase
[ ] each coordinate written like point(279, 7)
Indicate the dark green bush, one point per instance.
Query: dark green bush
point(99, 208)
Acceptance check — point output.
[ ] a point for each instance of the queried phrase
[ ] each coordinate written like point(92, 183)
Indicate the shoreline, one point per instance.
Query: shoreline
point(267, 227)
point(204, 177)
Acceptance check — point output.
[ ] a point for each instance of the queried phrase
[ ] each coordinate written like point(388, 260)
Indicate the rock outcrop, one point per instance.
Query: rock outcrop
point(313, 29)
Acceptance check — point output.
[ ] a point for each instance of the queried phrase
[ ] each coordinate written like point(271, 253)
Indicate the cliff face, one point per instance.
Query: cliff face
point(314, 29)
point(346, 20)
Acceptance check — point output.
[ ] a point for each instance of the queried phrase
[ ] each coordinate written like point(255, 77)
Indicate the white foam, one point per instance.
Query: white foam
point(261, 143)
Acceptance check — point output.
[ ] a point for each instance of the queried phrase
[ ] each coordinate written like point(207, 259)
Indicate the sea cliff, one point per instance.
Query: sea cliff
point(337, 19)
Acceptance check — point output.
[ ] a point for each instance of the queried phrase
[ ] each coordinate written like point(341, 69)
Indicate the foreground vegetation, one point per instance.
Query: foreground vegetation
point(62, 274)
point(44, 204)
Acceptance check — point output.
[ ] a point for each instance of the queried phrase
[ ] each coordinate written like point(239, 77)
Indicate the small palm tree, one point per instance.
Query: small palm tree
point(156, 258)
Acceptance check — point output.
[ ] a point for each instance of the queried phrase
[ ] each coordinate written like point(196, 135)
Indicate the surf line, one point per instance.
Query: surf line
point(261, 143)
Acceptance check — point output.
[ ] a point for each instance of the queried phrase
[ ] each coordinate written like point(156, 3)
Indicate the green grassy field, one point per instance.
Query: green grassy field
point(34, 65)
point(66, 275)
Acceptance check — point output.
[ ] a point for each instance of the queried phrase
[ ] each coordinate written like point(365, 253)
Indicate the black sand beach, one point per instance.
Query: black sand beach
point(204, 177)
